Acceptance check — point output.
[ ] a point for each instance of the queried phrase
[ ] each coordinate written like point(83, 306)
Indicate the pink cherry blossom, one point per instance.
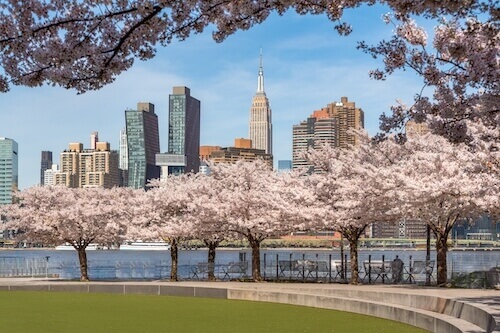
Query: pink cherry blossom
point(54, 215)
point(164, 214)
point(259, 203)
point(355, 187)
point(443, 183)
point(208, 215)
point(460, 71)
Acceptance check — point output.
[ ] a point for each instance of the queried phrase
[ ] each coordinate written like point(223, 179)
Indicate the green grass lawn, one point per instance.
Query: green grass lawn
point(54, 312)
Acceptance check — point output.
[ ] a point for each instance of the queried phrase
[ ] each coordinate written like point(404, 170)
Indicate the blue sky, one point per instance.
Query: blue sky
point(306, 66)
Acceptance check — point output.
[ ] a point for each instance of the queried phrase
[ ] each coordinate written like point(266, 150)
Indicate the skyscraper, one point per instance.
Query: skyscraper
point(330, 125)
point(143, 144)
point(123, 158)
point(8, 169)
point(46, 164)
point(183, 134)
point(349, 117)
point(261, 128)
point(123, 150)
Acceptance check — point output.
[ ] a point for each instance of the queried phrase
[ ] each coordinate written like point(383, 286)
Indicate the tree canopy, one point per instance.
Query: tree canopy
point(85, 45)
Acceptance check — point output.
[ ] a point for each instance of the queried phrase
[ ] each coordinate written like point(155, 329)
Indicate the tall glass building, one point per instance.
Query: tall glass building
point(8, 169)
point(143, 143)
point(45, 164)
point(184, 129)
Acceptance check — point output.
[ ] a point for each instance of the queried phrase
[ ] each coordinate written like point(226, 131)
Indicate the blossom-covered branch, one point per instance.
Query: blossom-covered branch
point(86, 44)
point(461, 69)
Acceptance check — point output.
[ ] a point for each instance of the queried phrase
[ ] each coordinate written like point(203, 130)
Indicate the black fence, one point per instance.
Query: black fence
point(294, 266)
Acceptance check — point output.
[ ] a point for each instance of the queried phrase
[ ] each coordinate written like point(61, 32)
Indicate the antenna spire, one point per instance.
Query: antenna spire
point(260, 82)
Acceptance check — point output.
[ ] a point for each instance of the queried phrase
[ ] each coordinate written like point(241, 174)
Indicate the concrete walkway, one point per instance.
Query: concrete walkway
point(435, 309)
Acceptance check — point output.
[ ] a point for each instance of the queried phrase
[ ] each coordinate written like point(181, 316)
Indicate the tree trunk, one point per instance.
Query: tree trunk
point(211, 259)
point(441, 251)
point(174, 255)
point(82, 257)
point(255, 244)
point(428, 253)
point(353, 250)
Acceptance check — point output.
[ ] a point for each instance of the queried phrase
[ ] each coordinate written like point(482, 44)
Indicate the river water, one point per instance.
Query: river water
point(121, 264)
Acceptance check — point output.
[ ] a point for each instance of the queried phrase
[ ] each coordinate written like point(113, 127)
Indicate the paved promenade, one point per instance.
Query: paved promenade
point(435, 309)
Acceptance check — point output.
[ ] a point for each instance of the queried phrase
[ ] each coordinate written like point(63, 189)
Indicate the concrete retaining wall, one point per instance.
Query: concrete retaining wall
point(450, 307)
point(431, 313)
point(425, 319)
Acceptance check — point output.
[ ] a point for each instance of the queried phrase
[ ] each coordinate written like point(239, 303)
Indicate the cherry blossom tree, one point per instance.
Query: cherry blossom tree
point(259, 203)
point(79, 217)
point(444, 183)
point(164, 215)
point(459, 67)
point(426, 177)
point(354, 187)
point(86, 44)
point(207, 211)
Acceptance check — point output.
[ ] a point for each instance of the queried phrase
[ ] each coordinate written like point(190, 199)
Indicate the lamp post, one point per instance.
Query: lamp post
point(47, 266)
point(428, 255)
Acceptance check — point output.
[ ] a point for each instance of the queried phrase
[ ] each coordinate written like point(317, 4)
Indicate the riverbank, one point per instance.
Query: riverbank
point(322, 243)
point(285, 248)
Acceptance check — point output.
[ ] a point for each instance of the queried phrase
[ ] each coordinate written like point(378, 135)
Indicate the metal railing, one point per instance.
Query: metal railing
point(24, 267)
point(282, 266)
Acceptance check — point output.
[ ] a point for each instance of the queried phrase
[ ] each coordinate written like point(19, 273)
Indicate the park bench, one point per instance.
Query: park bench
point(234, 270)
point(322, 269)
point(419, 268)
point(377, 268)
point(287, 268)
point(312, 269)
point(199, 271)
point(305, 268)
point(340, 274)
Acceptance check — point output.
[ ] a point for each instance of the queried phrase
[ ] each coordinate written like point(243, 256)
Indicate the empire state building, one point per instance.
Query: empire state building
point(261, 128)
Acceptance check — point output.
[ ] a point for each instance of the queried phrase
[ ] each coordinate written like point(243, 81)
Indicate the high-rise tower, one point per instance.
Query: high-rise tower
point(46, 164)
point(183, 134)
point(143, 144)
point(261, 128)
point(123, 162)
point(330, 125)
point(8, 169)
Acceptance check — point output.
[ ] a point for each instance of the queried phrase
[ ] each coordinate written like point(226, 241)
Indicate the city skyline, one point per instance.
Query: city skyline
point(307, 66)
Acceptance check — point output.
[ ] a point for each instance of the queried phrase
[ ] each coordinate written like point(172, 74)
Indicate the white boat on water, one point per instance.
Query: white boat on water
point(68, 246)
point(145, 246)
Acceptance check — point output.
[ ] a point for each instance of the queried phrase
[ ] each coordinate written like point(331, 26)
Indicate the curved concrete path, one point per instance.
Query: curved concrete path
point(434, 309)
